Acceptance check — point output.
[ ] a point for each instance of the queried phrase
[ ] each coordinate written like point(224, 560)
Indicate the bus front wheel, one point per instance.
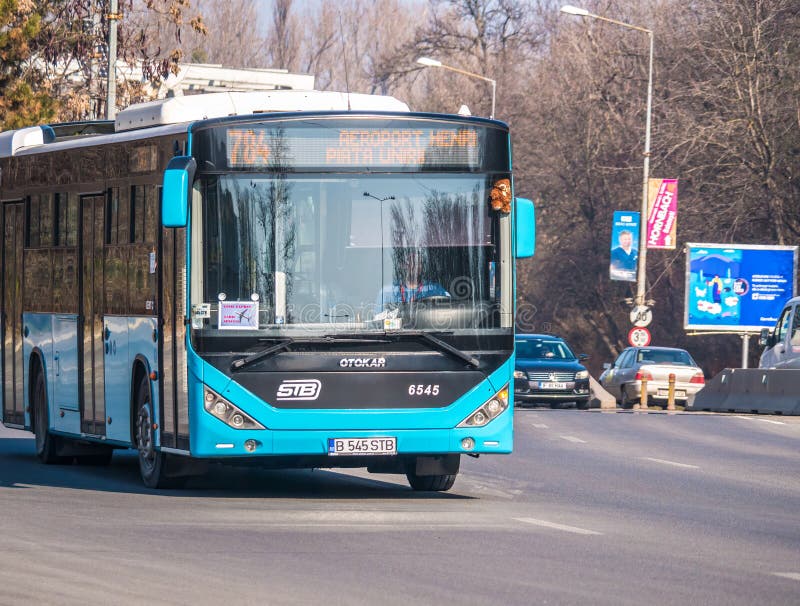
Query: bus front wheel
point(46, 443)
point(152, 462)
point(436, 482)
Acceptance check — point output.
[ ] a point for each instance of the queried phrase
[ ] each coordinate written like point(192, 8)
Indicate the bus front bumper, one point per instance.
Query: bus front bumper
point(222, 442)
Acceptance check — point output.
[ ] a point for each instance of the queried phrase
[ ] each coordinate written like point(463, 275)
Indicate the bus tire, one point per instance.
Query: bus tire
point(439, 483)
point(152, 462)
point(435, 483)
point(46, 443)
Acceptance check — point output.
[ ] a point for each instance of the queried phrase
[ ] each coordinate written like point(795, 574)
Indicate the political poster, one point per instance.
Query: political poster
point(624, 246)
point(737, 287)
point(662, 214)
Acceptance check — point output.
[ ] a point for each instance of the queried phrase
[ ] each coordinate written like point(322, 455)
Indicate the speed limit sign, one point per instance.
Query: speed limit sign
point(641, 315)
point(639, 337)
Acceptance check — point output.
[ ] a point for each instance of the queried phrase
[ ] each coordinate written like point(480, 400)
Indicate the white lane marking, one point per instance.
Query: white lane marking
point(773, 422)
point(762, 420)
point(795, 576)
point(540, 426)
point(673, 463)
point(554, 526)
point(573, 439)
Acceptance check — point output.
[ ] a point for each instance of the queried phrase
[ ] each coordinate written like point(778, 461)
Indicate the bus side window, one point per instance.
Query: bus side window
point(46, 227)
point(112, 215)
point(66, 220)
point(152, 198)
point(32, 225)
point(138, 213)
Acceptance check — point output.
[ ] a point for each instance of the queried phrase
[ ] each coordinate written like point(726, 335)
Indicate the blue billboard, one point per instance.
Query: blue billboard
point(737, 287)
point(624, 246)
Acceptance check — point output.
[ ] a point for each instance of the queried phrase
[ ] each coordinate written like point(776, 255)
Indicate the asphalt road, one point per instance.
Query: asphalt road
point(592, 508)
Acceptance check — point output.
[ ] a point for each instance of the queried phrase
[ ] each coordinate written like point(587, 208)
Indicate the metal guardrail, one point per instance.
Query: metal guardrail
point(750, 390)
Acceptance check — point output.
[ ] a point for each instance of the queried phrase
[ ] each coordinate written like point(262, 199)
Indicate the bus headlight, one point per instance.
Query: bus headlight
point(487, 411)
point(226, 412)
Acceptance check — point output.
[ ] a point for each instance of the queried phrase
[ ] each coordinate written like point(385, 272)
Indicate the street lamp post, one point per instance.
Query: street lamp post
point(641, 276)
point(428, 62)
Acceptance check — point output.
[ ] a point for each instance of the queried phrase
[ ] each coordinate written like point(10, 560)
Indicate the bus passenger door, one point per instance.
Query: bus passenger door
point(92, 240)
point(13, 241)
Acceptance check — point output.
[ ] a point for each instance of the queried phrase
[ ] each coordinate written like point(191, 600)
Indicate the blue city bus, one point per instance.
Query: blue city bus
point(297, 280)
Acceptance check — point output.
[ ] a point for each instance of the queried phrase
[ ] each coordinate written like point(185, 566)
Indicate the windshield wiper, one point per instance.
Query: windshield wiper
point(413, 334)
point(261, 355)
point(367, 337)
point(288, 341)
point(440, 345)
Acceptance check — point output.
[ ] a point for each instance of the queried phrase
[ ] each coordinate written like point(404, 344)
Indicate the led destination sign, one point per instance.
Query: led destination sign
point(355, 144)
point(263, 147)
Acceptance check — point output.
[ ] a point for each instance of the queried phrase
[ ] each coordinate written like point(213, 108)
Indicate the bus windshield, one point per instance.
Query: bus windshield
point(332, 253)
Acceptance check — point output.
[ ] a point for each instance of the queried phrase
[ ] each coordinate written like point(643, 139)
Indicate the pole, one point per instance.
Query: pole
point(111, 88)
point(431, 63)
point(494, 90)
point(745, 349)
point(641, 278)
point(671, 392)
point(643, 394)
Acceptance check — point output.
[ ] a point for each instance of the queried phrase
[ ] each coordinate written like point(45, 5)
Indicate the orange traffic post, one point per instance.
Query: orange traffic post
point(643, 398)
point(671, 392)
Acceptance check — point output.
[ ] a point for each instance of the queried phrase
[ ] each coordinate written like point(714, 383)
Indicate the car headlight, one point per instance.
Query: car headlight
point(487, 411)
point(226, 412)
point(518, 374)
point(582, 374)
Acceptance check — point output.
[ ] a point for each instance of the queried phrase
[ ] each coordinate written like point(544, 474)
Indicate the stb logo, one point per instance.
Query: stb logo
point(299, 389)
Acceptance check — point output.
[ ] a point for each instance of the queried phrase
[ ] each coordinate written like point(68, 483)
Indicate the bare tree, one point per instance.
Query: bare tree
point(284, 43)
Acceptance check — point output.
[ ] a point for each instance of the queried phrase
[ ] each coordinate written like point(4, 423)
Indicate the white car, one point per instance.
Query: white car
point(623, 378)
point(782, 343)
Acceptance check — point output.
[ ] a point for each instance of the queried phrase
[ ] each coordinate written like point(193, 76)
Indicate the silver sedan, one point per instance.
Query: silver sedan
point(623, 378)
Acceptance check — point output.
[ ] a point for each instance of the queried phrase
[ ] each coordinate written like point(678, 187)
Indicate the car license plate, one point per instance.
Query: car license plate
point(552, 385)
point(664, 393)
point(381, 445)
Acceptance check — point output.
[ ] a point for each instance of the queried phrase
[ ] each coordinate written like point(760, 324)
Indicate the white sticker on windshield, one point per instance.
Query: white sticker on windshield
point(238, 315)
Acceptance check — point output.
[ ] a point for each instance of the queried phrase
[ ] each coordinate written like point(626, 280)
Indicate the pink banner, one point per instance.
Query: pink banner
point(662, 213)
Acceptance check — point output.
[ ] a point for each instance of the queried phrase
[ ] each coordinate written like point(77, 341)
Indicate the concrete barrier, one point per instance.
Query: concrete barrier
point(599, 397)
point(750, 390)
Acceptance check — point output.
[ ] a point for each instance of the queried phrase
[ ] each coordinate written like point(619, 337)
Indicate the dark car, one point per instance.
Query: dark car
point(547, 371)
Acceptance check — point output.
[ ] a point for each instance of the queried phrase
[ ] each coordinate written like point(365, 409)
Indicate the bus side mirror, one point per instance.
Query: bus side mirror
point(175, 194)
point(763, 338)
point(525, 216)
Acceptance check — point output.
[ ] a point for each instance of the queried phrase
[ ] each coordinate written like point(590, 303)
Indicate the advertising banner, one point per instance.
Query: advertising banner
point(662, 214)
point(737, 287)
point(238, 315)
point(624, 246)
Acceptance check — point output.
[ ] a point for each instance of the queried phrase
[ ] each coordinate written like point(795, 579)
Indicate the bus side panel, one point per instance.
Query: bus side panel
point(38, 335)
point(143, 346)
point(66, 402)
point(117, 370)
point(13, 240)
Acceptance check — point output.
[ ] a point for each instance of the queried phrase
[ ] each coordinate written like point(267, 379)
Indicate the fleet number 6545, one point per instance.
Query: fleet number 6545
point(423, 390)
